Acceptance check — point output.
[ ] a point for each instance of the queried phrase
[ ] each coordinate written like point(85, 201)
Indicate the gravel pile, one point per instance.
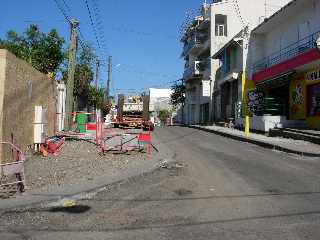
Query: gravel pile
point(78, 161)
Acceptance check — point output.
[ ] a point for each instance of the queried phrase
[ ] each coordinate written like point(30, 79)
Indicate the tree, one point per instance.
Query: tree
point(83, 76)
point(96, 97)
point(43, 51)
point(178, 95)
point(84, 71)
point(164, 115)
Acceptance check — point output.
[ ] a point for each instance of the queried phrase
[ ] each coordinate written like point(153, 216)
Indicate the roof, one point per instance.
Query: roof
point(278, 15)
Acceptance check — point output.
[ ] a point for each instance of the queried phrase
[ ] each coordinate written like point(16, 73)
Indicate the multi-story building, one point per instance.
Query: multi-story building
point(228, 76)
point(196, 52)
point(218, 23)
point(283, 63)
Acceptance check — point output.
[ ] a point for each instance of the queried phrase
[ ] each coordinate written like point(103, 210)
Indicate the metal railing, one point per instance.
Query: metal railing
point(197, 40)
point(288, 52)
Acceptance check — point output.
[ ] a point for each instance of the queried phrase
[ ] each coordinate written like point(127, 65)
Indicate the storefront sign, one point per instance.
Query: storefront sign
point(313, 76)
point(255, 101)
point(206, 88)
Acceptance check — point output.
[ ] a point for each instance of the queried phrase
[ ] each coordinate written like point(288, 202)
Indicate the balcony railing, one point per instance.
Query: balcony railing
point(288, 52)
point(196, 69)
point(197, 41)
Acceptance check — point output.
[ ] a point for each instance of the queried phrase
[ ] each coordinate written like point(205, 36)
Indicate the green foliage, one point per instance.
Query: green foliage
point(84, 74)
point(96, 97)
point(178, 95)
point(164, 114)
point(43, 51)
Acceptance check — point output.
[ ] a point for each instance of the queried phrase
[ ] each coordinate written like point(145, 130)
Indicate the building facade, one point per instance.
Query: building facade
point(228, 77)
point(283, 65)
point(217, 24)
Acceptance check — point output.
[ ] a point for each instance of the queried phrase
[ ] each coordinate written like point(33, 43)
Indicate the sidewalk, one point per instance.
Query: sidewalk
point(281, 144)
point(79, 188)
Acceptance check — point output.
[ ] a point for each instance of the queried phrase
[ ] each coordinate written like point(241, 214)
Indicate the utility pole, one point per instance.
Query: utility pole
point(71, 70)
point(109, 79)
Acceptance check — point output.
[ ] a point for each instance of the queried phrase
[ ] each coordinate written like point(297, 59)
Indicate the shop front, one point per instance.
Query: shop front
point(292, 97)
point(305, 98)
point(276, 95)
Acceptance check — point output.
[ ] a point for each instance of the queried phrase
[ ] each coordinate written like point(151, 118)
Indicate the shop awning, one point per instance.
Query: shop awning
point(277, 81)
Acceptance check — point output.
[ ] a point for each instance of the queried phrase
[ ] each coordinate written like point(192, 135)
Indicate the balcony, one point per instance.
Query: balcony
point(287, 53)
point(195, 70)
point(223, 74)
point(197, 43)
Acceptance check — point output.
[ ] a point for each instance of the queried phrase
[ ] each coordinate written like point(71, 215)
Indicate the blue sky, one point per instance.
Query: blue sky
point(142, 36)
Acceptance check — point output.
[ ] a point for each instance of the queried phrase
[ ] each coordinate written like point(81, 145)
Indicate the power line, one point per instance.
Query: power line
point(131, 70)
point(92, 24)
point(99, 22)
point(238, 12)
point(67, 18)
point(67, 6)
point(81, 37)
point(140, 33)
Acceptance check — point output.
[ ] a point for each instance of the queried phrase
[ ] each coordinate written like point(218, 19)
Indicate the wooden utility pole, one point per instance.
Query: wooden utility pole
point(71, 70)
point(109, 79)
point(97, 72)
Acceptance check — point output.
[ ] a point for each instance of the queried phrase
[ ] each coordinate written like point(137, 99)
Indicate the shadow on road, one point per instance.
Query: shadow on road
point(77, 209)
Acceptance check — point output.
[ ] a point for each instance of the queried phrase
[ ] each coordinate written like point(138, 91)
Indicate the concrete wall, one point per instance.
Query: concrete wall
point(2, 79)
point(21, 89)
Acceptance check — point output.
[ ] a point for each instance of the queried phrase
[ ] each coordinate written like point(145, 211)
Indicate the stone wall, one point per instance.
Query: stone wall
point(21, 89)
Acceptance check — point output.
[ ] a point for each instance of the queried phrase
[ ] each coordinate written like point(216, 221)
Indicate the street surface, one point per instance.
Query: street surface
point(217, 188)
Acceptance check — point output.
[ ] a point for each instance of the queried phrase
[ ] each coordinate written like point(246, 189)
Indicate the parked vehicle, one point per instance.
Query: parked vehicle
point(133, 112)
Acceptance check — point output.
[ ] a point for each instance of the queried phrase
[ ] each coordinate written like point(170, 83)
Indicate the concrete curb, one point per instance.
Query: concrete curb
point(256, 142)
point(75, 191)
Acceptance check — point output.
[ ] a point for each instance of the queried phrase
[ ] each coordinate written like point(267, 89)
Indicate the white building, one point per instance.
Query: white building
point(159, 99)
point(218, 23)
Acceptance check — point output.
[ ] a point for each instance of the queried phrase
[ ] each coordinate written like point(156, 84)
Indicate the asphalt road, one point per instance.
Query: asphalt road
point(217, 189)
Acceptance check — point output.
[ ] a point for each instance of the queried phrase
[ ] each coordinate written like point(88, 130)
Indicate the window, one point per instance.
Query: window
point(220, 25)
point(219, 30)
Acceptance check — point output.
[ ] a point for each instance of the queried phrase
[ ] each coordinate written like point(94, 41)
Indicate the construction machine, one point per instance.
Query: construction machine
point(133, 112)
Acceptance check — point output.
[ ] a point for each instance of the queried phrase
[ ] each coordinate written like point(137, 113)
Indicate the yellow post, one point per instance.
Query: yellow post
point(244, 109)
point(247, 126)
